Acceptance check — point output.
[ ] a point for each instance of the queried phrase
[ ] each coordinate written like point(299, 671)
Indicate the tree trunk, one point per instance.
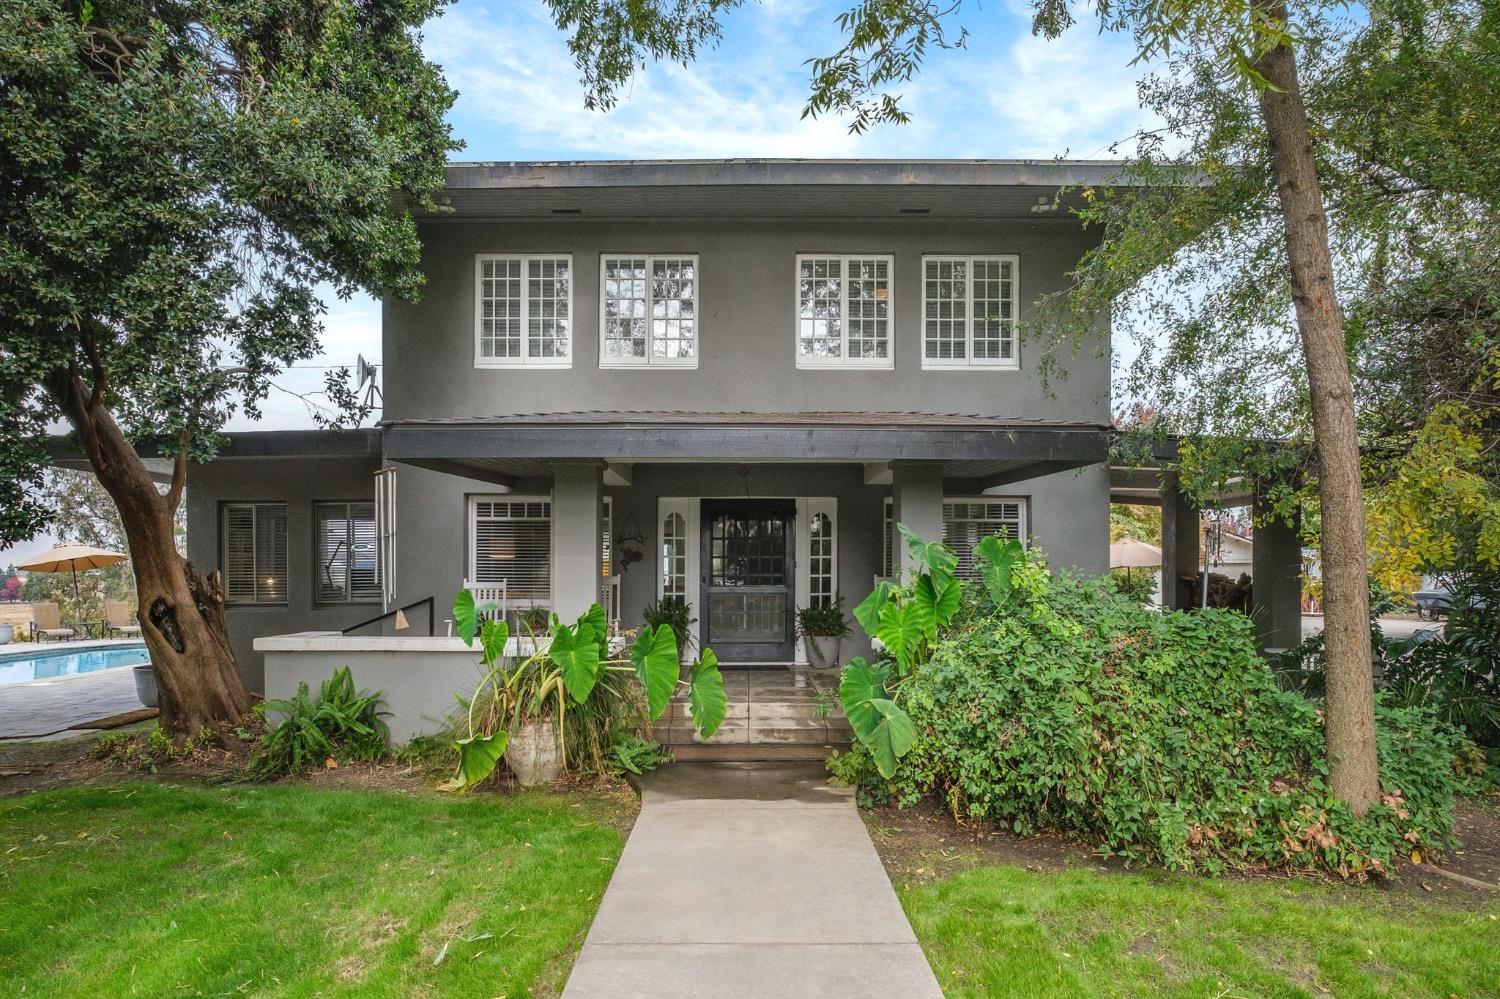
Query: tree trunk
point(181, 613)
point(1349, 714)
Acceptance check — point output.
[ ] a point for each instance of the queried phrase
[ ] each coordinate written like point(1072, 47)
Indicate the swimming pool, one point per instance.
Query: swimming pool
point(50, 663)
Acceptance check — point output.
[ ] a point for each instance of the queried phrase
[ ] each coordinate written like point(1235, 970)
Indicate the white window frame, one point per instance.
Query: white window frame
point(525, 360)
point(689, 508)
point(651, 361)
point(1023, 517)
point(844, 362)
point(969, 360)
point(471, 557)
point(255, 507)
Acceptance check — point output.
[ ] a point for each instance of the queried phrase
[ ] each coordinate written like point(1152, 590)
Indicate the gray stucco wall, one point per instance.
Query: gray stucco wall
point(299, 482)
point(746, 304)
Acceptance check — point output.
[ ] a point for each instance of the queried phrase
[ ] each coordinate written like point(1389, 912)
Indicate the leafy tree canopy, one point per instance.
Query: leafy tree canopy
point(178, 181)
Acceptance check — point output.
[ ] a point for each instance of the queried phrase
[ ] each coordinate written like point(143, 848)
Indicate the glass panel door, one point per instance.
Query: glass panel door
point(748, 574)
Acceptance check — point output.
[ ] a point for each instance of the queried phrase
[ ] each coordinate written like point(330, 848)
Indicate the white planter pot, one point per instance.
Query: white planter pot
point(823, 651)
point(532, 753)
point(145, 684)
point(7, 632)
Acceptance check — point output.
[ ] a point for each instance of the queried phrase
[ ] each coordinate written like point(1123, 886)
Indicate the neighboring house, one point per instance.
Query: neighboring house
point(722, 382)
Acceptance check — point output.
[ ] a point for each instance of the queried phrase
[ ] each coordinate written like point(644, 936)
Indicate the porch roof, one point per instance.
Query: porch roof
point(992, 449)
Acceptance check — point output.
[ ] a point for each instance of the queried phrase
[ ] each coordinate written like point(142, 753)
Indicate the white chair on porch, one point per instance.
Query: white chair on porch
point(487, 593)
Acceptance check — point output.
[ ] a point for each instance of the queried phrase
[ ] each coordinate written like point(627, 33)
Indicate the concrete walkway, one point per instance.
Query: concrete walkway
point(749, 880)
point(43, 707)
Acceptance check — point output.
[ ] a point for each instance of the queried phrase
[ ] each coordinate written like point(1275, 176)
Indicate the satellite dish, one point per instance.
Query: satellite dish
point(364, 374)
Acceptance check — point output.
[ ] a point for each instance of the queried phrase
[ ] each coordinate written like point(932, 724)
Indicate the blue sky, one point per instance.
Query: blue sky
point(1006, 95)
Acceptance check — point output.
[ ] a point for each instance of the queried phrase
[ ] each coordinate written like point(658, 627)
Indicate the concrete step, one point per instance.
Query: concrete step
point(747, 731)
point(750, 754)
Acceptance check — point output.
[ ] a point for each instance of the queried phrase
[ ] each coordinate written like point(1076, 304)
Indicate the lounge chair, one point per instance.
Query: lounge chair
point(118, 617)
point(46, 622)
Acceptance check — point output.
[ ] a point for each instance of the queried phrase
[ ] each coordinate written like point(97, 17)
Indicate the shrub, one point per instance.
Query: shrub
point(676, 614)
point(1160, 737)
point(633, 754)
point(342, 723)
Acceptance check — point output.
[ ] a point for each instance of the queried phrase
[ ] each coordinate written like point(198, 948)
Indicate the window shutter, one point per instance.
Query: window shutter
point(253, 558)
point(270, 553)
point(966, 522)
point(238, 563)
point(348, 563)
point(513, 545)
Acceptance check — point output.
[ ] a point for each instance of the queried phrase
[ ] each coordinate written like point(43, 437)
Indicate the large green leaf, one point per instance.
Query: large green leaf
point(478, 756)
point(466, 616)
point(902, 628)
point(654, 656)
point(577, 656)
point(707, 702)
point(892, 738)
point(492, 638)
point(938, 601)
point(997, 559)
point(868, 611)
point(878, 722)
point(934, 555)
point(594, 620)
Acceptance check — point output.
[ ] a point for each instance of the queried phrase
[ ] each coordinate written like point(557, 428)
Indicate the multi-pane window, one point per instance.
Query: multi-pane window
point(844, 311)
point(253, 557)
point(523, 311)
point(649, 311)
point(969, 312)
point(820, 560)
point(512, 544)
point(348, 569)
point(674, 543)
point(966, 522)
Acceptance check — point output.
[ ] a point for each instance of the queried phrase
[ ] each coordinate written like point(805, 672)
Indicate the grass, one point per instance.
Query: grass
point(1004, 931)
point(152, 890)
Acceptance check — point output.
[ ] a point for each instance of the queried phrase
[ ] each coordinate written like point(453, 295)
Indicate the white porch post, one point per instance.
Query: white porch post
point(917, 502)
point(577, 505)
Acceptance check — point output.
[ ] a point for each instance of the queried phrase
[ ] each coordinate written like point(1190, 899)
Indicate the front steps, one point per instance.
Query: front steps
point(768, 717)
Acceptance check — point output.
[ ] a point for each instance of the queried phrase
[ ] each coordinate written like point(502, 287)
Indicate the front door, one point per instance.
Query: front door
point(748, 573)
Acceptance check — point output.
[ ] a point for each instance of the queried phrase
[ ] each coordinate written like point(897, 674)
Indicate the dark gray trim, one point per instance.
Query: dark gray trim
point(413, 444)
point(362, 443)
point(1049, 174)
point(463, 470)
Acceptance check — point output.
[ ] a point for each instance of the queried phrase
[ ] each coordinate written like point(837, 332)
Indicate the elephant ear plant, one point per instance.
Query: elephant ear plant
point(566, 674)
point(905, 620)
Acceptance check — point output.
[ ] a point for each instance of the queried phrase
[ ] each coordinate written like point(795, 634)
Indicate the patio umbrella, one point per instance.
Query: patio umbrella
point(1129, 553)
point(71, 558)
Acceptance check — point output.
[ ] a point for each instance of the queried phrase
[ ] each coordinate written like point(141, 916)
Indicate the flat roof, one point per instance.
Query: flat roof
point(774, 188)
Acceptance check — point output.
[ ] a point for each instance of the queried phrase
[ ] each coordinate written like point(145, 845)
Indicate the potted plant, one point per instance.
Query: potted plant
point(823, 629)
point(519, 709)
point(677, 615)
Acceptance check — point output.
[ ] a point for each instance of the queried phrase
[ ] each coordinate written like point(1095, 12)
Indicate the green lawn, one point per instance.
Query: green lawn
point(154, 890)
point(1004, 931)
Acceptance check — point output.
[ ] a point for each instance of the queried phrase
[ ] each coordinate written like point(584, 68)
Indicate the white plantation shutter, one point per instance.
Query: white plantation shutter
point(348, 568)
point(512, 543)
point(253, 556)
point(966, 522)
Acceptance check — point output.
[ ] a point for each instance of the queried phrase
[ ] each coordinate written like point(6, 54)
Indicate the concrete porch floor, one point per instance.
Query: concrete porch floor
point(766, 709)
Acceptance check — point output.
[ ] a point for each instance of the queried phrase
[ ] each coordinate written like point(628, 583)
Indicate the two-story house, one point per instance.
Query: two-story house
point(722, 382)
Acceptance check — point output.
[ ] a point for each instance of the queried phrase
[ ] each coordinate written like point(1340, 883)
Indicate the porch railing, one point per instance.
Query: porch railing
point(431, 616)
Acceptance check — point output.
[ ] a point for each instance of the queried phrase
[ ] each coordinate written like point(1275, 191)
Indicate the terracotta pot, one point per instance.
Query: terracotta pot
point(532, 753)
point(823, 651)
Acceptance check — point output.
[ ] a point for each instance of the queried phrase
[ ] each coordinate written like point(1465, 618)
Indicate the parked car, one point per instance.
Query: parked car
point(1432, 604)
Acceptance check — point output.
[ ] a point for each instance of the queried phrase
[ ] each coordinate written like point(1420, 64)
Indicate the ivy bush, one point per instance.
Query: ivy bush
point(1161, 737)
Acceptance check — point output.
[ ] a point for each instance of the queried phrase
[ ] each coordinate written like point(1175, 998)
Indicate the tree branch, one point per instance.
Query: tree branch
point(179, 473)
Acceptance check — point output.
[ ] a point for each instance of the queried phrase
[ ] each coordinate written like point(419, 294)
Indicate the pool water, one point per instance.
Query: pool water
point(51, 663)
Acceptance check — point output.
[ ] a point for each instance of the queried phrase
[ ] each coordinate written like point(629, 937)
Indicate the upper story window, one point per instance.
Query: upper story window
point(969, 312)
point(523, 311)
point(844, 311)
point(253, 556)
point(648, 309)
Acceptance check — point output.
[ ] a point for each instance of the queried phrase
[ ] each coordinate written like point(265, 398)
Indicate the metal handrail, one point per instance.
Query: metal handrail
point(431, 617)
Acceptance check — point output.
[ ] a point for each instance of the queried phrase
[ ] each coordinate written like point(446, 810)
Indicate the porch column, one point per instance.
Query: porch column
point(1180, 544)
point(577, 505)
point(1276, 557)
point(917, 502)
